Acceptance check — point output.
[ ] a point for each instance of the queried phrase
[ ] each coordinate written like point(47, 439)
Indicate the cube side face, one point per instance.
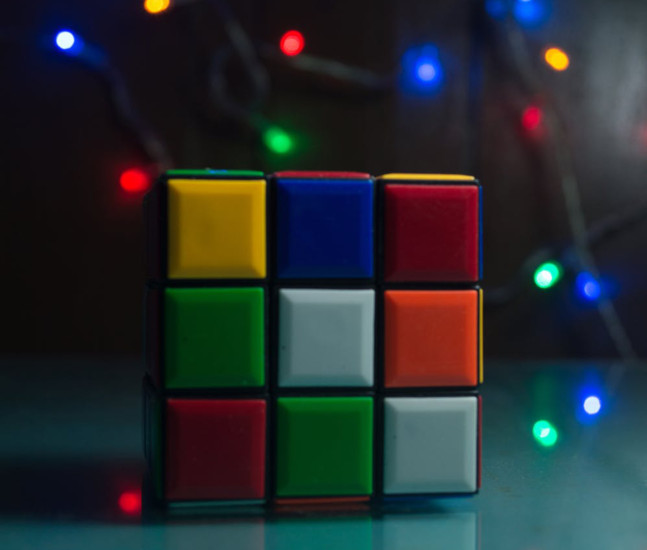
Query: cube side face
point(314, 337)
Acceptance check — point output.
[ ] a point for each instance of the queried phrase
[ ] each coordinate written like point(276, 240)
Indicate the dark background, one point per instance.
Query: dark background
point(72, 239)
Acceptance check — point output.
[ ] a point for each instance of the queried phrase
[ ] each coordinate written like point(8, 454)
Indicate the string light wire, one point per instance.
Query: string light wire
point(517, 47)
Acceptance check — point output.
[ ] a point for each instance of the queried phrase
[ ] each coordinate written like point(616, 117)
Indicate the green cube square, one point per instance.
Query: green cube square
point(214, 337)
point(324, 446)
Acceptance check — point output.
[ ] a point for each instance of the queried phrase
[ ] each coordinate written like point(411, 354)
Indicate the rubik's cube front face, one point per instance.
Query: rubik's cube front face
point(313, 336)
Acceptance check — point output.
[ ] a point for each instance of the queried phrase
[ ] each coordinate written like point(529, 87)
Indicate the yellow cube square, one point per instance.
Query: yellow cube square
point(216, 229)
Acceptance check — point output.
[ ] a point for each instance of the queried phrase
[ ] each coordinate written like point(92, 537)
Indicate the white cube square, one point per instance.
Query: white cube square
point(326, 337)
point(430, 444)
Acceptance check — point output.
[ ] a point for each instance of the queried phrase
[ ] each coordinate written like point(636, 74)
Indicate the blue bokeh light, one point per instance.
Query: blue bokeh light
point(592, 405)
point(68, 42)
point(497, 9)
point(65, 40)
point(422, 69)
point(588, 287)
point(530, 13)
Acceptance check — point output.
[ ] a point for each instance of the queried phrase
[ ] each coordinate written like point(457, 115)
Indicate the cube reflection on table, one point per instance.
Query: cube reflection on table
point(312, 336)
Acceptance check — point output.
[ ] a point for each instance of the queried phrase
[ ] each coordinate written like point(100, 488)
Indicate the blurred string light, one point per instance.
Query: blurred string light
point(532, 118)
point(277, 140)
point(588, 287)
point(530, 13)
point(292, 43)
point(156, 6)
point(592, 405)
point(544, 433)
point(135, 180)
point(130, 502)
point(94, 58)
point(422, 69)
point(547, 275)
point(557, 59)
point(68, 42)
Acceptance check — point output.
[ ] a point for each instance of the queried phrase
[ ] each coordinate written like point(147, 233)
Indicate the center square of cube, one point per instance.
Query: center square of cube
point(324, 228)
point(326, 337)
point(324, 446)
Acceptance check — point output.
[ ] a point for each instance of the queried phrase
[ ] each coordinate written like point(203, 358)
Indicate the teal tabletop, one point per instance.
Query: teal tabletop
point(71, 469)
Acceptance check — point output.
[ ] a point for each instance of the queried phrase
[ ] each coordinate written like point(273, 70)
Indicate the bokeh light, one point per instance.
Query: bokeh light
point(557, 59)
point(532, 117)
point(135, 180)
point(547, 274)
point(156, 6)
point(545, 433)
point(292, 43)
point(530, 13)
point(592, 405)
point(130, 502)
point(588, 287)
point(277, 140)
point(65, 40)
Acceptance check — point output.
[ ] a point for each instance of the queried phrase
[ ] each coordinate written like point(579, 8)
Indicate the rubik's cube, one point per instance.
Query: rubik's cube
point(312, 335)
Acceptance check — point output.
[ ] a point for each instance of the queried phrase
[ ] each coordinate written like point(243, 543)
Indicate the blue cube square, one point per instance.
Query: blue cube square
point(324, 228)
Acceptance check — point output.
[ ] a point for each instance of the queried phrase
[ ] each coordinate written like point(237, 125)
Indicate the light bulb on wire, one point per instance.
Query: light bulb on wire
point(68, 42)
point(544, 433)
point(277, 140)
point(557, 59)
point(135, 180)
point(588, 287)
point(547, 275)
point(156, 6)
point(292, 43)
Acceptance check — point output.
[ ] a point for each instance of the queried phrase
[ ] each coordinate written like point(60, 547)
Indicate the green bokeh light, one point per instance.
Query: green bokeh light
point(545, 433)
point(277, 140)
point(547, 274)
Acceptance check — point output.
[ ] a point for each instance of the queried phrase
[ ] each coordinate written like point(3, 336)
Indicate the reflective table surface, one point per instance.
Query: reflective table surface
point(71, 469)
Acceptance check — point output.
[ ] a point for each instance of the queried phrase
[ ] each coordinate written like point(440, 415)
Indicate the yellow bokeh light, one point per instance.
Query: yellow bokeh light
point(156, 6)
point(557, 59)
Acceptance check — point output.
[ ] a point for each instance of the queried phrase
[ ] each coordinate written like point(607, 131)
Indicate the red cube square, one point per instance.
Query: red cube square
point(431, 233)
point(215, 449)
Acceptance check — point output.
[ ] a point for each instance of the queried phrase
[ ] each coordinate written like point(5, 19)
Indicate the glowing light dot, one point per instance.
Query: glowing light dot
point(532, 118)
point(545, 433)
point(130, 502)
point(135, 180)
point(156, 6)
point(547, 274)
point(588, 287)
point(557, 59)
point(292, 43)
point(592, 405)
point(426, 72)
point(277, 140)
point(65, 40)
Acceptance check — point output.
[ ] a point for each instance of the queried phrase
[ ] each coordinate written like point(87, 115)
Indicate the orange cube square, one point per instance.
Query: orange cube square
point(431, 338)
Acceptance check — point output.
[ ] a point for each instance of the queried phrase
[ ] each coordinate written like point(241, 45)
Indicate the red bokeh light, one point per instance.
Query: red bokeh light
point(532, 118)
point(292, 43)
point(130, 502)
point(135, 180)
